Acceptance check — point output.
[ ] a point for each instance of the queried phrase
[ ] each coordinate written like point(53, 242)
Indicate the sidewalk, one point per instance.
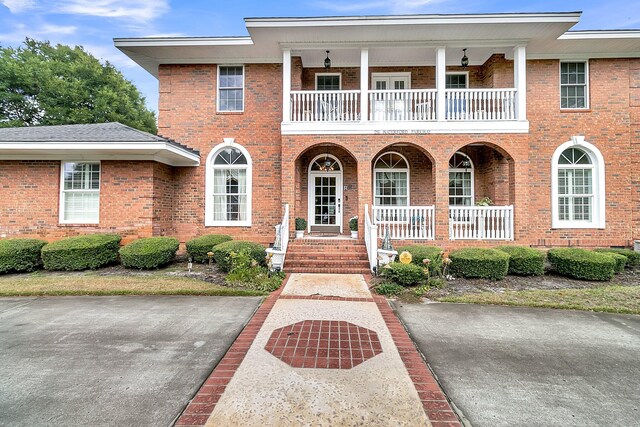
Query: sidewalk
point(322, 351)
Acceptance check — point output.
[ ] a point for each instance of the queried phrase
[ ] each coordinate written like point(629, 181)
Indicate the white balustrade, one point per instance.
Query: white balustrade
point(405, 222)
point(325, 105)
point(480, 104)
point(402, 105)
point(481, 222)
point(370, 239)
point(281, 243)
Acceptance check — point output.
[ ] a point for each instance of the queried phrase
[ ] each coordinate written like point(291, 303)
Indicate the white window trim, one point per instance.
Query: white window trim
point(403, 74)
point(315, 79)
point(208, 204)
point(586, 83)
point(472, 171)
point(458, 73)
point(311, 221)
point(61, 219)
point(407, 170)
point(244, 90)
point(599, 190)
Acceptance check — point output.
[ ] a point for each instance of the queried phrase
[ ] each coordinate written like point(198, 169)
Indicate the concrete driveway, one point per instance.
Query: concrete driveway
point(506, 366)
point(126, 360)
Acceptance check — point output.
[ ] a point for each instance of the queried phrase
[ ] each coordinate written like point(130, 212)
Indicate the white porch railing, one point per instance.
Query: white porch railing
point(402, 105)
point(325, 105)
point(405, 222)
point(370, 239)
point(281, 243)
point(481, 223)
point(480, 104)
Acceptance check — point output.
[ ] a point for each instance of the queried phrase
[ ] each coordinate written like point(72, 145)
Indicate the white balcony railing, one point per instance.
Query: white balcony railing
point(480, 104)
point(405, 222)
point(481, 222)
point(402, 105)
point(370, 239)
point(325, 105)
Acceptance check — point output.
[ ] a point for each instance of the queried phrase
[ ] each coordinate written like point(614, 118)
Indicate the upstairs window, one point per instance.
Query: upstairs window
point(456, 81)
point(328, 82)
point(231, 88)
point(573, 85)
point(80, 193)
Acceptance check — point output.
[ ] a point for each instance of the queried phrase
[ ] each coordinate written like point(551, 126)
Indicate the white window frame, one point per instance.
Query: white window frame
point(458, 73)
point(407, 170)
point(404, 75)
point(471, 171)
point(315, 79)
point(63, 192)
point(209, 184)
point(599, 190)
point(586, 83)
point(218, 89)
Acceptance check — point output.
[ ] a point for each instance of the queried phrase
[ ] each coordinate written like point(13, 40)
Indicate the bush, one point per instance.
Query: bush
point(404, 274)
point(582, 264)
point(149, 253)
point(222, 253)
point(81, 253)
point(420, 252)
point(20, 254)
point(301, 224)
point(479, 262)
point(524, 261)
point(247, 273)
point(389, 289)
point(633, 257)
point(621, 261)
point(199, 247)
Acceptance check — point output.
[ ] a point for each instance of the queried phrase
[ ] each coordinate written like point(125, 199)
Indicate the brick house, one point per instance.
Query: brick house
point(407, 122)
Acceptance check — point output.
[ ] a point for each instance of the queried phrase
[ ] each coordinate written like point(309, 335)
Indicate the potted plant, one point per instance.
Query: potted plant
point(485, 201)
point(301, 225)
point(353, 226)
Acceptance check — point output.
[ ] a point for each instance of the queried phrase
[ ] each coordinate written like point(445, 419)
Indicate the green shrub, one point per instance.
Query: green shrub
point(149, 253)
point(82, 252)
point(432, 282)
point(524, 261)
point(404, 274)
point(199, 247)
point(301, 224)
point(421, 252)
point(389, 289)
point(582, 264)
point(621, 261)
point(222, 253)
point(20, 254)
point(479, 262)
point(247, 273)
point(633, 257)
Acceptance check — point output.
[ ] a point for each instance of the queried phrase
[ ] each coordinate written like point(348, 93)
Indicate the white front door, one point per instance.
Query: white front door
point(388, 106)
point(325, 201)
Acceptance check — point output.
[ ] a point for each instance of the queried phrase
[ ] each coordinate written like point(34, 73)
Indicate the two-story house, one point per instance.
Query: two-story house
point(443, 129)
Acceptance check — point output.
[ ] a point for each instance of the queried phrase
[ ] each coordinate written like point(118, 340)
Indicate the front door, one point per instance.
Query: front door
point(388, 105)
point(325, 202)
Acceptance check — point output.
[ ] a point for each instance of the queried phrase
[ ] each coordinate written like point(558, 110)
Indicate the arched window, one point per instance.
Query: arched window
point(577, 186)
point(391, 183)
point(228, 186)
point(460, 180)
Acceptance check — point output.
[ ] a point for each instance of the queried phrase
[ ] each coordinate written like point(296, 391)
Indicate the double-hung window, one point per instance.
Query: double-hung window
point(391, 172)
point(231, 88)
point(574, 85)
point(80, 193)
point(460, 180)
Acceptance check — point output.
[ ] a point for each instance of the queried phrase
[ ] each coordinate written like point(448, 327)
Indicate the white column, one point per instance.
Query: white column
point(441, 82)
point(286, 85)
point(520, 81)
point(364, 85)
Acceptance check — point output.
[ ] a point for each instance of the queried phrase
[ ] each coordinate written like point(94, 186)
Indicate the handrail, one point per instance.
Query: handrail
point(279, 250)
point(481, 222)
point(370, 239)
point(405, 222)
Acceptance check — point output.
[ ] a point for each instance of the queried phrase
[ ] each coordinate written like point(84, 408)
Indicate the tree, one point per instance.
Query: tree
point(41, 84)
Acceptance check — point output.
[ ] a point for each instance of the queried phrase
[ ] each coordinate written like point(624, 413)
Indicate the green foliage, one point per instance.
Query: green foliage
point(404, 274)
point(200, 246)
point(582, 264)
point(432, 282)
point(353, 224)
point(301, 224)
point(41, 84)
point(222, 253)
point(421, 252)
point(633, 257)
point(20, 254)
point(149, 253)
point(81, 253)
point(389, 289)
point(621, 261)
point(479, 262)
point(524, 261)
point(247, 273)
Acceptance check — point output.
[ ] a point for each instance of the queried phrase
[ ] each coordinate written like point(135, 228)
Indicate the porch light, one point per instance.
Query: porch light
point(466, 163)
point(464, 61)
point(327, 165)
point(327, 61)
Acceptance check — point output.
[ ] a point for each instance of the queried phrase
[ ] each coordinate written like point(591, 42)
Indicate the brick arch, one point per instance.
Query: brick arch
point(327, 145)
point(495, 146)
point(394, 145)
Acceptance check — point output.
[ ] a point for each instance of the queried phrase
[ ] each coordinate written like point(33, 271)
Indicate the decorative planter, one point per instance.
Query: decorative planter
point(354, 234)
point(299, 234)
point(636, 245)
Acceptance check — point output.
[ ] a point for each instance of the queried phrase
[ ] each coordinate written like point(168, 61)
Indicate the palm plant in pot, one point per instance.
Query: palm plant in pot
point(353, 226)
point(301, 225)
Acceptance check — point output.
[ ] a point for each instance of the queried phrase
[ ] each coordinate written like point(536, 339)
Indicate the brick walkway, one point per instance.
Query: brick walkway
point(321, 350)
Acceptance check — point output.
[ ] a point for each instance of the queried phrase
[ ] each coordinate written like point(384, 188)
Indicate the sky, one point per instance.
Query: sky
point(94, 23)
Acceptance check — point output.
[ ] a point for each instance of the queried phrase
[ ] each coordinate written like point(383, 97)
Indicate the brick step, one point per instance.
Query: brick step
point(340, 242)
point(328, 270)
point(332, 248)
point(328, 256)
point(326, 263)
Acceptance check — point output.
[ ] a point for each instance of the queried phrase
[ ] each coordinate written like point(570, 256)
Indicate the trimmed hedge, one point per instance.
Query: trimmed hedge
point(524, 261)
point(582, 264)
point(222, 252)
point(404, 274)
point(149, 252)
point(479, 262)
point(621, 261)
point(20, 254)
point(197, 248)
point(633, 257)
point(81, 253)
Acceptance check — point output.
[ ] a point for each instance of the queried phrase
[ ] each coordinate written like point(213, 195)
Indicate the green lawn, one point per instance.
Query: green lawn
point(611, 299)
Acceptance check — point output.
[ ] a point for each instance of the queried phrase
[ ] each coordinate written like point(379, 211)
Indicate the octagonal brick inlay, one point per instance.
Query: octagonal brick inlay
point(324, 344)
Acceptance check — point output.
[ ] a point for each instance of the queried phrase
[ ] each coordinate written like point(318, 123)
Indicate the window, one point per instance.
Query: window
point(578, 186)
point(80, 193)
point(391, 172)
point(231, 88)
point(460, 180)
point(327, 81)
point(456, 80)
point(573, 85)
point(228, 186)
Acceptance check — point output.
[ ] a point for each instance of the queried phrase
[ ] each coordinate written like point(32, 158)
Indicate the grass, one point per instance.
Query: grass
point(37, 285)
point(610, 299)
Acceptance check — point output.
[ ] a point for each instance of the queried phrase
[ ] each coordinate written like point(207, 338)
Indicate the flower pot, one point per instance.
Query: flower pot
point(354, 234)
point(299, 234)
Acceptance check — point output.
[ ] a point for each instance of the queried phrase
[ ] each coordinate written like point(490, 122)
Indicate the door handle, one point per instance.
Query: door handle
point(339, 200)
